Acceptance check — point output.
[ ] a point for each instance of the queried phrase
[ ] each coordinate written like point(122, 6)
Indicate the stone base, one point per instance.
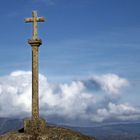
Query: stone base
point(34, 126)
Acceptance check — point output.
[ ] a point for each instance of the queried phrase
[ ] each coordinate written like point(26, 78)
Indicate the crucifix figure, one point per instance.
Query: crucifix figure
point(34, 19)
point(35, 124)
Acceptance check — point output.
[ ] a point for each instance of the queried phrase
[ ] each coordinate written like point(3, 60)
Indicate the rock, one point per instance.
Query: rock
point(51, 133)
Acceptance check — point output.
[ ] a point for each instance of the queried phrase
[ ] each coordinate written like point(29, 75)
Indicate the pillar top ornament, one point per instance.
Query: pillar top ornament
point(34, 19)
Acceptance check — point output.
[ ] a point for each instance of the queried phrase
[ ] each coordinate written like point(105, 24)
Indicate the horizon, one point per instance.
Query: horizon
point(88, 63)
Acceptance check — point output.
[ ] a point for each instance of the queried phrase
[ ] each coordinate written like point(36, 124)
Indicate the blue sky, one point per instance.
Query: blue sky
point(91, 34)
point(81, 38)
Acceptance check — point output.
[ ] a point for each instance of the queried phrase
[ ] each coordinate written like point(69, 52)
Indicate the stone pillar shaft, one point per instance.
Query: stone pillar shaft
point(35, 85)
point(36, 125)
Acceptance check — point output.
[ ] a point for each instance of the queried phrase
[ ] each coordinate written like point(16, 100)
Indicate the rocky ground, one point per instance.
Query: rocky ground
point(52, 133)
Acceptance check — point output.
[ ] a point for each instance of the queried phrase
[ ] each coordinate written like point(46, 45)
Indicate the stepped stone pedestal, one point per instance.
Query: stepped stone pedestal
point(34, 127)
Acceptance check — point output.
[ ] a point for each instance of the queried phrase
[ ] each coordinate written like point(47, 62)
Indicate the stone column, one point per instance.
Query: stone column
point(35, 125)
point(35, 97)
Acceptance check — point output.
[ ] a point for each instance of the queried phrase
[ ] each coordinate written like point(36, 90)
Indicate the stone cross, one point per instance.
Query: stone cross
point(34, 19)
point(35, 125)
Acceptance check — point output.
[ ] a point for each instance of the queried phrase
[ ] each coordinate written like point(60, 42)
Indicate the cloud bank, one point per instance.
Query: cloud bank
point(73, 101)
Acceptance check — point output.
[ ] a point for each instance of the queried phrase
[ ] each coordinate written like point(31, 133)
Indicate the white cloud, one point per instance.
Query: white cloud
point(72, 101)
point(62, 99)
point(111, 83)
point(122, 112)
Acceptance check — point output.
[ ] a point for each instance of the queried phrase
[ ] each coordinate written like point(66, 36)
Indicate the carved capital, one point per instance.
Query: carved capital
point(35, 42)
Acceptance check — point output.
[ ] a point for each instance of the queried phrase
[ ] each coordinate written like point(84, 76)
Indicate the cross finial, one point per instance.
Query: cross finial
point(34, 19)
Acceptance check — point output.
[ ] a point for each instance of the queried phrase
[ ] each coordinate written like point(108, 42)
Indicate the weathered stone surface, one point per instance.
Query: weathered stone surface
point(35, 101)
point(34, 19)
point(34, 126)
point(51, 133)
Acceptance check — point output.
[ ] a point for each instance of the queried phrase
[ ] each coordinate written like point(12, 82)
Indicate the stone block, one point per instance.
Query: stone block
point(34, 126)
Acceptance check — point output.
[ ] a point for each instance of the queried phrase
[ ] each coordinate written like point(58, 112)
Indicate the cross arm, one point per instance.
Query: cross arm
point(40, 19)
point(28, 20)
